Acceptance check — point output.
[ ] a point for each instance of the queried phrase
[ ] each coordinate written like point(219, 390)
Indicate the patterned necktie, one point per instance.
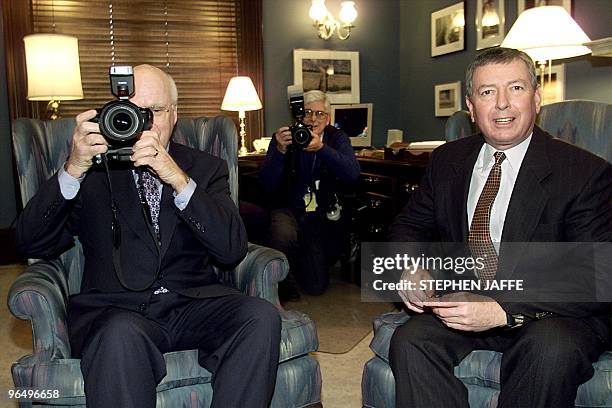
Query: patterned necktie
point(480, 234)
point(152, 195)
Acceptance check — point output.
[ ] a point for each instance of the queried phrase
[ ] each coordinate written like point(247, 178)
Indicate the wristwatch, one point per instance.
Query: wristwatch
point(514, 320)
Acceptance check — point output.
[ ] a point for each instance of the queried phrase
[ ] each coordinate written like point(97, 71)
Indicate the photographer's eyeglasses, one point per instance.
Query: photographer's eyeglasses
point(317, 114)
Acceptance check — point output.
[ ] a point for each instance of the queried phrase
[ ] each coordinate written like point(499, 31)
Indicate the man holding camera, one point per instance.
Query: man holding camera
point(305, 180)
point(150, 233)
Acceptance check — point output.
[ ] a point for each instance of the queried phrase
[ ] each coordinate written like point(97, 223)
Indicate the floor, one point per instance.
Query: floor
point(341, 373)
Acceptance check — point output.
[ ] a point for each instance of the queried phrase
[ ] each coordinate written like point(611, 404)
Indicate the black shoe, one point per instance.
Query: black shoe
point(287, 292)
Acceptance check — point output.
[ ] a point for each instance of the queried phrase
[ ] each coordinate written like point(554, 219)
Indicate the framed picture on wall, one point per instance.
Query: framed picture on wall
point(523, 5)
point(334, 72)
point(490, 19)
point(447, 29)
point(554, 88)
point(447, 98)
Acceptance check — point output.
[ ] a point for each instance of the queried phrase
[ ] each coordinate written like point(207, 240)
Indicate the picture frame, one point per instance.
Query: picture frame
point(334, 72)
point(356, 120)
point(554, 91)
point(447, 30)
point(490, 23)
point(523, 5)
point(447, 98)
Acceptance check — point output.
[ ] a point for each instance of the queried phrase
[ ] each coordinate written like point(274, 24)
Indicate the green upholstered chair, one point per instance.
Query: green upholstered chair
point(584, 123)
point(41, 293)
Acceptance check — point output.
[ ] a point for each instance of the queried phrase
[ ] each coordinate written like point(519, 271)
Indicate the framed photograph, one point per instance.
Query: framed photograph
point(356, 120)
point(334, 72)
point(490, 19)
point(447, 29)
point(447, 98)
point(523, 5)
point(554, 88)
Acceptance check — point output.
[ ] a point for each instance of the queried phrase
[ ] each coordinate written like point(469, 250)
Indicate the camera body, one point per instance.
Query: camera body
point(300, 132)
point(121, 121)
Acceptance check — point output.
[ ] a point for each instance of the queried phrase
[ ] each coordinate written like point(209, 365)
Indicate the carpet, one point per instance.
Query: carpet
point(342, 319)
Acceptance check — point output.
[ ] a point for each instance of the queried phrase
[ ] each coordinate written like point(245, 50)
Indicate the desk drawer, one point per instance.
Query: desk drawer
point(376, 183)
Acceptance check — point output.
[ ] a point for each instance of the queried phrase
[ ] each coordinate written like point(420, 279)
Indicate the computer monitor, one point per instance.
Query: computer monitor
point(356, 120)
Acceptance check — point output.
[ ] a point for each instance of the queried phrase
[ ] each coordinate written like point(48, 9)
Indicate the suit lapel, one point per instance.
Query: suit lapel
point(527, 202)
point(459, 186)
point(128, 202)
point(167, 210)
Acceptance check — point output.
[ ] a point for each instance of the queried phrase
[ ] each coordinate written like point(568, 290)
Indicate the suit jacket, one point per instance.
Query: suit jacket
point(562, 194)
point(208, 230)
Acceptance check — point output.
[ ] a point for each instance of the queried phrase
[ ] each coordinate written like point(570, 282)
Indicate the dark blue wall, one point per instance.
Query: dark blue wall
point(586, 77)
point(287, 26)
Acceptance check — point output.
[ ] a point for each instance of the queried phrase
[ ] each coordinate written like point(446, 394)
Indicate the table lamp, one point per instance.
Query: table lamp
point(54, 73)
point(241, 96)
point(546, 33)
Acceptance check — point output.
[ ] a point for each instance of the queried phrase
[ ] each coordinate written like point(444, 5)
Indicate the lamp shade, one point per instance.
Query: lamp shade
point(53, 67)
point(547, 33)
point(241, 95)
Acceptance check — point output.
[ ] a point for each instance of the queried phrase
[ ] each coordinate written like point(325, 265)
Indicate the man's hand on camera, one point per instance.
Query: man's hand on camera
point(148, 151)
point(283, 139)
point(86, 143)
point(315, 144)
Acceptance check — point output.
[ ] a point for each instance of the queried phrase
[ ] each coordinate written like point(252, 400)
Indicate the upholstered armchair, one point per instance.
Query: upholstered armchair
point(41, 293)
point(584, 123)
point(459, 125)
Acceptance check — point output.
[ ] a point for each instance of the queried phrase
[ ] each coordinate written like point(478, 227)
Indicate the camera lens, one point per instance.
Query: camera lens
point(122, 121)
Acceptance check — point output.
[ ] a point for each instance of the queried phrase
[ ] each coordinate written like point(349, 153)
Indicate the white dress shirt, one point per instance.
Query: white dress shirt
point(510, 168)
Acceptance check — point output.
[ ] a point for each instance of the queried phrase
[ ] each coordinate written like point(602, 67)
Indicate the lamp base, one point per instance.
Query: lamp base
point(243, 151)
point(53, 109)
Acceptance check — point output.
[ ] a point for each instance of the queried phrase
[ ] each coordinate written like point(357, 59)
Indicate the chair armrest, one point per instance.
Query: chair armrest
point(40, 294)
point(260, 271)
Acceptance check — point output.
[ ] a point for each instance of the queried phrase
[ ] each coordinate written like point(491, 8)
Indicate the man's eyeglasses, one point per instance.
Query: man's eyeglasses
point(158, 110)
point(308, 113)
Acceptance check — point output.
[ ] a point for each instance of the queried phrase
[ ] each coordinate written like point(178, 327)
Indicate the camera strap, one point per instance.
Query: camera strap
point(116, 237)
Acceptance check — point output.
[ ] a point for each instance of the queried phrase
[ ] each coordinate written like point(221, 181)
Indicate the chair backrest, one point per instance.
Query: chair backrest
point(459, 125)
point(41, 147)
point(586, 124)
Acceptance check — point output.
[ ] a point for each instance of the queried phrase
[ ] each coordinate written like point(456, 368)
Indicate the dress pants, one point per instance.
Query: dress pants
point(543, 362)
point(237, 338)
point(312, 244)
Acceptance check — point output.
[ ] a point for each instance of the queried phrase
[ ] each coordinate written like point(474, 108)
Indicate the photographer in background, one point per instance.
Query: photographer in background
point(148, 284)
point(306, 208)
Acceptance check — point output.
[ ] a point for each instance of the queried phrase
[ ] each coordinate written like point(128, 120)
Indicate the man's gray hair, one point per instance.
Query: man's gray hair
point(499, 55)
point(317, 96)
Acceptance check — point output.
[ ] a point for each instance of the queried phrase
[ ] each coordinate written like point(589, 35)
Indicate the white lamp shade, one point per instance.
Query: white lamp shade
point(53, 67)
point(547, 33)
point(348, 14)
point(241, 95)
point(317, 11)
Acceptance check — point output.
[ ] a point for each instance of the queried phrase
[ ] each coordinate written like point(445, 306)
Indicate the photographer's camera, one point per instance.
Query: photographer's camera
point(300, 132)
point(121, 121)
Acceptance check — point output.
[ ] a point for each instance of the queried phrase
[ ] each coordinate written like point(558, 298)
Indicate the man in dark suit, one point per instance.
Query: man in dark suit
point(148, 284)
point(511, 183)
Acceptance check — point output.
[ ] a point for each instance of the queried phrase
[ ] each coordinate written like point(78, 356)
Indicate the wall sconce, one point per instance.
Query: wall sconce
point(54, 73)
point(326, 24)
point(241, 96)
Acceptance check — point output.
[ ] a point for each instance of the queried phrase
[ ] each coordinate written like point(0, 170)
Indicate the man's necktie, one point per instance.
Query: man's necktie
point(152, 196)
point(480, 234)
